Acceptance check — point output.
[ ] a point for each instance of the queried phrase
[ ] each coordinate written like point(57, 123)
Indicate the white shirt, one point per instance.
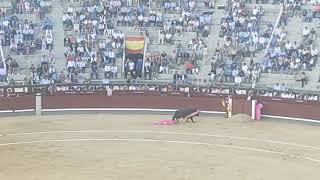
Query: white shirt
point(305, 32)
point(277, 88)
point(111, 54)
point(45, 81)
point(49, 40)
point(245, 68)
point(147, 63)
point(255, 11)
point(6, 23)
point(131, 66)
point(114, 69)
point(132, 88)
point(107, 68)
point(288, 45)
point(71, 64)
point(314, 52)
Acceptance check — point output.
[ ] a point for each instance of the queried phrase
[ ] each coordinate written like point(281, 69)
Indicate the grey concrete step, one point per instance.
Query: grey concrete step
point(278, 76)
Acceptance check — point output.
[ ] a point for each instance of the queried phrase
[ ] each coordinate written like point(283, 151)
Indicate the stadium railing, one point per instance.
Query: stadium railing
point(160, 89)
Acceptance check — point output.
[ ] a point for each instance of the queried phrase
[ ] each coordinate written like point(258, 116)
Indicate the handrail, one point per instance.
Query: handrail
point(160, 89)
point(275, 26)
point(3, 58)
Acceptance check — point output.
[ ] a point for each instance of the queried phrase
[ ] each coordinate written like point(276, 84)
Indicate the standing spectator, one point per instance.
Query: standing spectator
point(107, 71)
point(114, 71)
point(302, 77)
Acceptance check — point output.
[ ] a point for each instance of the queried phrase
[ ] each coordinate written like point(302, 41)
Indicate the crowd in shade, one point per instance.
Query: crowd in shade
point(241, 40)
point(22, 36)
point(38, 7)
point(171, 31)
point(92, 39)
point(291, 57)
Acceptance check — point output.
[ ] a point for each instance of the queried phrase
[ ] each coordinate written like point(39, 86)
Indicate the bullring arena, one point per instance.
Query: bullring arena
point(129, 146)
point(81, 133)
point(95, 90)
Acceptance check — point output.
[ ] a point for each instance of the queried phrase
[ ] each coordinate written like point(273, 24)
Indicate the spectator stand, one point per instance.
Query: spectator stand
point(40, 8)
point(176, 38)
point(91, 30)
point(236, 54)
point(294, 22)
point(24, 37)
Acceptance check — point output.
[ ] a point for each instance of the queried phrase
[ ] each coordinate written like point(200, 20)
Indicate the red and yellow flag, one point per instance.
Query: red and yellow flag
point(134, 44)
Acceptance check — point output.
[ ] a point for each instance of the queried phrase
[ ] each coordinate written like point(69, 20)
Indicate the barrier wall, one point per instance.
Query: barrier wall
point(122, 99)
point(17, 103)
point(131, 101)
point(290, 108)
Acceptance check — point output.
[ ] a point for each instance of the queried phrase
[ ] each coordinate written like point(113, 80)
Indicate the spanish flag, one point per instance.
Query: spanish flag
point(134, 44)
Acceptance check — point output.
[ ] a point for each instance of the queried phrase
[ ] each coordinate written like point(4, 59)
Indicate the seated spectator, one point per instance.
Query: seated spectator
point(277, 87)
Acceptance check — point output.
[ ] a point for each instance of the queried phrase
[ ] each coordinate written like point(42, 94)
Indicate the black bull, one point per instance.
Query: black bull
point(185, 113)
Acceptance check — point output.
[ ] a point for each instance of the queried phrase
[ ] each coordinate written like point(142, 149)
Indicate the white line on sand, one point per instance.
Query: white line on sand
point(165, 141)
point(164, 132)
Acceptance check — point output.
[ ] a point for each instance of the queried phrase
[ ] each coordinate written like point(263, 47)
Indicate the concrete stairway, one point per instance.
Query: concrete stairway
point(211, 42)
point(294, 28)
point(58, 34)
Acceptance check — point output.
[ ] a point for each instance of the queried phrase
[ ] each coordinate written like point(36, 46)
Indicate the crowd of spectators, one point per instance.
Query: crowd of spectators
point(23, 36)
point(292, 57)
point(91, 38)
point(241, 39)
point(38, 7)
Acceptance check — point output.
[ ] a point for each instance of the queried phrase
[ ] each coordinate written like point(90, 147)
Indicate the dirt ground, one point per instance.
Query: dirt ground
point(121, 147)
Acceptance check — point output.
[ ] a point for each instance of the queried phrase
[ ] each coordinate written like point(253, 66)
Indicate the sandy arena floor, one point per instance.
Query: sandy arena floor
point(121, 147)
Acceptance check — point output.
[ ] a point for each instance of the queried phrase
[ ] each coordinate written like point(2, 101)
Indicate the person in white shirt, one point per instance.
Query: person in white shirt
point(131, 65)
point(277, 87)
point(237, 80)
point(70, 66)
point(80, 50)
point(112, 57)
point(235, 73)
point(82, 65)
point(245, 68)
point(132, 88)
point(168, 37)
point(166, 6)
point(6, 23)
point(45, 81)
point(305, 32)
point(114, 71)
point(49, 42)
point(161, 37)
point(107, 71)
point(314, 52)
point(255, 11)
point(109, 91)
point(288, 45)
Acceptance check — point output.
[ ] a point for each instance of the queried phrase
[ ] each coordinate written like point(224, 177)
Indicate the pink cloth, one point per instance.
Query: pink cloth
point(259, 106)
point(165, 122)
